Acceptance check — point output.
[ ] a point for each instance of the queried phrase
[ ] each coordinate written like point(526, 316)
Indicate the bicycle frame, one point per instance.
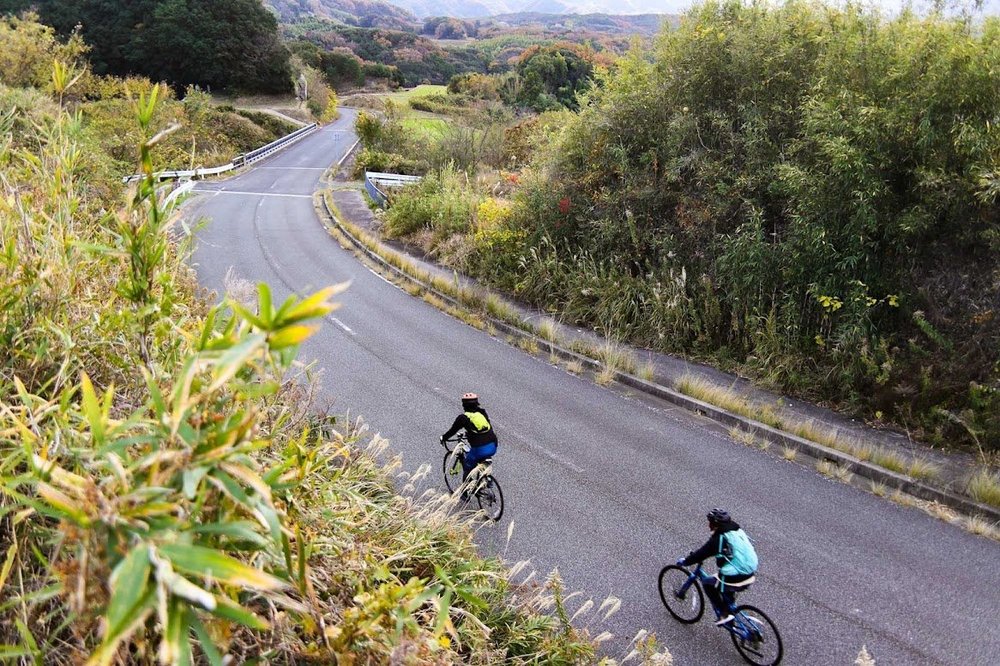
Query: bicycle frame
point(741, 626)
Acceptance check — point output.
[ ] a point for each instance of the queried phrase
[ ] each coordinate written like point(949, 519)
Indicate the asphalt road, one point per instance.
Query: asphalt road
point(604, 485)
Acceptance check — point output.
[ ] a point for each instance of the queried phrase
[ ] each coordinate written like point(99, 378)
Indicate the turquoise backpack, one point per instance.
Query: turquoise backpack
point(740, 556)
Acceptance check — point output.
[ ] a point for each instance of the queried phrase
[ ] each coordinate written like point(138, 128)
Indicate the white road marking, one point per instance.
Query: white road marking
point(286, 168)
point(348, 152)
point(343, 325)
point(258, 194)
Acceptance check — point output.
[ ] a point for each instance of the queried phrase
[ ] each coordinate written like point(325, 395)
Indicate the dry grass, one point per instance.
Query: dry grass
point(826, 468)
point(574, 367)
point(548, 330)
point(499, 309)
point(742, 437)
point(923, 469)
point(789, 452)
point(648, 371)
point(606, 376)
point(413, 289)
point(982, 527)
point(889, 459)
point(529, 345)
point(985, 487)
point(491, 329)
point(878, 489)
point(433, 300)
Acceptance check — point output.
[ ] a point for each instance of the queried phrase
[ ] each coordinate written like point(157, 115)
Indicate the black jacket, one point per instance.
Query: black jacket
point(712, 546)
point(475, 438)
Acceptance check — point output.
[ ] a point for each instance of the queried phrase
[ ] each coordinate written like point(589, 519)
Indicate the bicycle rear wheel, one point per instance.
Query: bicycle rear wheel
point(452, 467)
point(490, 498)
point(755, 636)
point(686, 607)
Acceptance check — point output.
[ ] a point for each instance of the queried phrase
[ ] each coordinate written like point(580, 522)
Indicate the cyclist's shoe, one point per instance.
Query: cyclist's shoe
point(726, 619)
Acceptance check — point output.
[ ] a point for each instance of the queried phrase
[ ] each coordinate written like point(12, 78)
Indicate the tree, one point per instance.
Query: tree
point(231, 44)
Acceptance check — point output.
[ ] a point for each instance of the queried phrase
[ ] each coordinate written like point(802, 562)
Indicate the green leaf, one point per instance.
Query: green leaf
point(229, 610)
point(290, 336)
point(264, 308)
point(233, 360)
point(218, 566)
point(239, 531)
point(192, 477)
point(249, 316)
point(314, 306)
point(128, 585)
point(92, 410)
point(205, 641)
point(175, 646)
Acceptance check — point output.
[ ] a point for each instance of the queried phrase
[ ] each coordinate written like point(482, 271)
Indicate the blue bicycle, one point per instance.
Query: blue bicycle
point(754, 634)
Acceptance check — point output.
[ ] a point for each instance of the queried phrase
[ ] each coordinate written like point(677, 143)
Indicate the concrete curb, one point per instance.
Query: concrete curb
point(890, 479)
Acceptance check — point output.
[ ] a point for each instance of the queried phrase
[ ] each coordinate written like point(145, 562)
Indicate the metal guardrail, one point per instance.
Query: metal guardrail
point(238, 161)
point(375, 178)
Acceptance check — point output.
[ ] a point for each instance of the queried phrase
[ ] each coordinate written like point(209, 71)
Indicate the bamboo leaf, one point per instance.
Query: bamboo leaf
point(175, 646)
point(92, 410)
point(231, 611)
point(128, 585)
point(290, 336)
point(238, 531)
point(205, 642)
point(66, 507)
point(233, 360)
point(264, 306)
point(218, 566)
point(314, 306)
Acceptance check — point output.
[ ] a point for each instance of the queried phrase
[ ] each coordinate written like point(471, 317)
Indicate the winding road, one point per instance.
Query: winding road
point(606, 485)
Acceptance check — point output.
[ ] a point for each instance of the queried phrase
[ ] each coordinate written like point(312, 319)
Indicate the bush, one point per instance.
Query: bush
point(791, 187)
point(444, 203)
point(375, 160)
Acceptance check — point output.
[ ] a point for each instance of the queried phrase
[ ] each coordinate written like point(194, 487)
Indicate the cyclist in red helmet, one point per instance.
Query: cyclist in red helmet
point(482, 438)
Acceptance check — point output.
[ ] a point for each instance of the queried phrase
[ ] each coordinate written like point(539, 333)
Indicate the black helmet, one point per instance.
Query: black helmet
point(718, 516)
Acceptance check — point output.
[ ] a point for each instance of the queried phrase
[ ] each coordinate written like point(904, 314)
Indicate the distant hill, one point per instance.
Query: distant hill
point(641, 24)
point(483, 8)
point(362, 13)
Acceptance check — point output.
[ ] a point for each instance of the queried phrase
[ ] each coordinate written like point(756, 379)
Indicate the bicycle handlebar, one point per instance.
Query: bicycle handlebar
point(457, 439)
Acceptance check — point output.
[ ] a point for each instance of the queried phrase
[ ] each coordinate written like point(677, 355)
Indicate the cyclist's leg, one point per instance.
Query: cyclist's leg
point(711, 586)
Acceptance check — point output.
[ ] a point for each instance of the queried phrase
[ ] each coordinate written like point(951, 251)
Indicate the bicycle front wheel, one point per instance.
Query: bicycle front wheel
point(686, 605)
point(490, 498)
point(756, 637)
point(452, 470)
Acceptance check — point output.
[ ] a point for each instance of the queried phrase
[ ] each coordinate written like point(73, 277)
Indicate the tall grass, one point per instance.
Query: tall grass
point(169, 493)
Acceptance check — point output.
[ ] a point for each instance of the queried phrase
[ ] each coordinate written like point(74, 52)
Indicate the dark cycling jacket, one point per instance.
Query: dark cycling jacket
point(477, 436)
point(713, 547)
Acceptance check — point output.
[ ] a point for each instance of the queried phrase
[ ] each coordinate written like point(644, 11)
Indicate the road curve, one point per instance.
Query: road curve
point(605, 485)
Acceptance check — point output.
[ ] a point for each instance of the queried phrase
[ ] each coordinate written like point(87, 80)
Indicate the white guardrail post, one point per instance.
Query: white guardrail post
point(238, 161)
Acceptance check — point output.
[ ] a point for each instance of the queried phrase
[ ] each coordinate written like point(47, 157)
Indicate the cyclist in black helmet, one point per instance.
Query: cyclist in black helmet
point(735, 557)
point(482, 439)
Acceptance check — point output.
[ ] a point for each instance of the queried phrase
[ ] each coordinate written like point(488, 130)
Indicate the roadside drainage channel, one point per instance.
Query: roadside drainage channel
point(894, 480)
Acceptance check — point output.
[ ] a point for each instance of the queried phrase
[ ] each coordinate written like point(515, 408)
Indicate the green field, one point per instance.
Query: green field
point(425, 125)
point(404, 96)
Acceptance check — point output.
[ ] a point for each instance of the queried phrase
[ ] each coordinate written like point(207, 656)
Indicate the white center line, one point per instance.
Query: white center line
point(258, 194)
point(287, 168)
point(343, 325)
